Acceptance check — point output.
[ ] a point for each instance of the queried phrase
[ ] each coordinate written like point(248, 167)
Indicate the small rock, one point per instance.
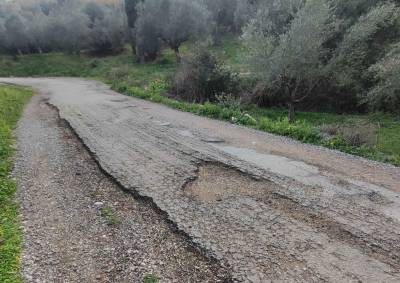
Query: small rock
point(99, 203)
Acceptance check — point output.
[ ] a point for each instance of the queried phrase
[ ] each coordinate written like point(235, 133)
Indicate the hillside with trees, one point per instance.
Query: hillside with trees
point(248, 56)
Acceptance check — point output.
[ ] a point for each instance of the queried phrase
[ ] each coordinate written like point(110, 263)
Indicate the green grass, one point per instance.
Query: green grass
point(148, 81)
point(104, 68)
point(151, 278)
point(12, 101)
point(110, 217)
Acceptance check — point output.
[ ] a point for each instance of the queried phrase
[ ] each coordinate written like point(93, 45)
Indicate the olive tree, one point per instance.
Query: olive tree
point(147, 29)
point(171, 22)
point(364, 43)
point(184, 20)
point(2, 36)
point(286, 40)
point(39, 24)
point(17, 38)
point(69, 28)
point(245, 9)
point(95, 12)
point(132, 15)
point(350, 11)
point(385, 95)
point(107, 30)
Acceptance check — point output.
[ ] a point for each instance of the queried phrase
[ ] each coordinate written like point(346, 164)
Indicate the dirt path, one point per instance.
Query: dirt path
point(270, 208)
point(79, 226)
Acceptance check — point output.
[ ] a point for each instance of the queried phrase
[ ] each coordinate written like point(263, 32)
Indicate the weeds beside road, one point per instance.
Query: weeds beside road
point(12, 102)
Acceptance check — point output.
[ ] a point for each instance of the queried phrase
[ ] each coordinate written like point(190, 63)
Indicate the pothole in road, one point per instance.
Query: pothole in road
point(217, 183)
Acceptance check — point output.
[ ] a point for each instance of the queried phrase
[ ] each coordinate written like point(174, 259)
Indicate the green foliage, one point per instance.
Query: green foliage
point(301, 47)
point(151, 278)
point(363, 43)
point(288, 50)
point(110, 217)
point(170, 21)
point(108, 29)
point(300, 130)
point(202, 78)
point(131, 12)
point(385, 95)
point(12, 101)
point(68, 26)
point(107, 68)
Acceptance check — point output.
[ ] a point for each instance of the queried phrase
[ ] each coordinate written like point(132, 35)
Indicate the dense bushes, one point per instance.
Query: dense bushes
point(202, 78)
point(385, 95)
point(290, 57)
point(348, 56)
point(299, 47)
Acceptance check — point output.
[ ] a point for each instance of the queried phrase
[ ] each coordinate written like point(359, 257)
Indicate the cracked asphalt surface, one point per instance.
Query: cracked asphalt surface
point(79, 226)
point(269, 208)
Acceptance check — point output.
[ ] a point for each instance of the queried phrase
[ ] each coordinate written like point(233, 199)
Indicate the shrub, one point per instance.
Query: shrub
point(299, 130)
point(202, 78)
point(359, 135)
point(117, 73)
point(228, 101)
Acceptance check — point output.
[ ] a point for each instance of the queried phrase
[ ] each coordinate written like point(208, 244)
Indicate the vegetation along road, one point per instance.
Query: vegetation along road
point(262, 207)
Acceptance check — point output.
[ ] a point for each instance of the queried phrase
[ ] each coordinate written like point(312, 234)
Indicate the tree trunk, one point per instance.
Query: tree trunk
point(291, 115)
point(133, 45)
point(177, 55)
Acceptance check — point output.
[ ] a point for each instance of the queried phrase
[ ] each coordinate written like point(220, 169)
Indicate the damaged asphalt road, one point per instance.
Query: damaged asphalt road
point(269, 208)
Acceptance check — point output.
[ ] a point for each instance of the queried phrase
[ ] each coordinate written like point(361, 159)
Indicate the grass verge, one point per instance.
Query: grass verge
point(12, 102)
